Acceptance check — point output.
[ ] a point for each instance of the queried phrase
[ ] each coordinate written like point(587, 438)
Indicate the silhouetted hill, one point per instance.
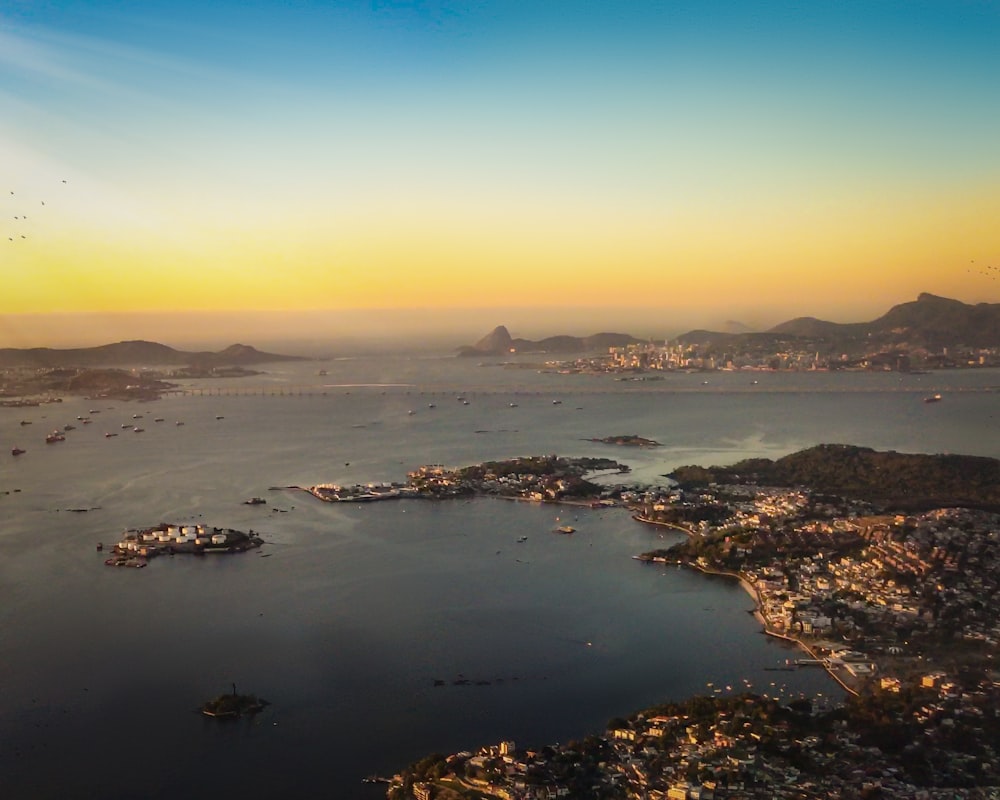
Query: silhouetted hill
point(499, 342)
point(134, 353)
point(929, 321)
point(894, 480)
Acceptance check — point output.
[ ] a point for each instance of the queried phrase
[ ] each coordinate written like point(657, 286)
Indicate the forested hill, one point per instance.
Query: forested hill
point(902, 481)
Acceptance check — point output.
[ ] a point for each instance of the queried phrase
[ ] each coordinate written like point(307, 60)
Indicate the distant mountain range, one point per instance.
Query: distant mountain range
point(929, 321)
point(499, 342)
point(135, 353)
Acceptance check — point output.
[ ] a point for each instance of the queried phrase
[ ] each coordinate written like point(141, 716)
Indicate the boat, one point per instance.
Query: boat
point(53, 437)
point(564, 529)
point(219, 416)
point(934, 398)
point(158, 419)
point(255, 501)
point(178, 423)
point(16, 451)
point(109, 435)
point(521, 539)
point(25, 421)
point(138, 430)
point(69, 427)
point(137, 416)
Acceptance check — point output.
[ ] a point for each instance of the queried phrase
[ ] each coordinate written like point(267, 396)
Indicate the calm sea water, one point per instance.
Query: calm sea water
point(348, 615)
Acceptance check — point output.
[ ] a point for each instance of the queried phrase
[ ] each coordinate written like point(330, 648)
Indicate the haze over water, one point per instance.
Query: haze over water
point(356, 610)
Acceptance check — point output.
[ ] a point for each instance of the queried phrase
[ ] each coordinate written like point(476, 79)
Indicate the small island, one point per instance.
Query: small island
point(627, 440)
point(137, 546)
point(232, 706)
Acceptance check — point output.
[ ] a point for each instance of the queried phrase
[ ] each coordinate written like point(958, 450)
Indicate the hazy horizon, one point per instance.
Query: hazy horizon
point(315, 332)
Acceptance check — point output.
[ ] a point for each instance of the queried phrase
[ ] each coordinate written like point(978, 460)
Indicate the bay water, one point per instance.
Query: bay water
point(383, 632)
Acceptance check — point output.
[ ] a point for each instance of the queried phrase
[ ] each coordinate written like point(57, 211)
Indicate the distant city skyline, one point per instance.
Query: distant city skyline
point(438, 168)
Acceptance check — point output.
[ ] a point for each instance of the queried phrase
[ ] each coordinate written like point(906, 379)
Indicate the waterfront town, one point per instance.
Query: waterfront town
point(651, 358)
point(902, 610)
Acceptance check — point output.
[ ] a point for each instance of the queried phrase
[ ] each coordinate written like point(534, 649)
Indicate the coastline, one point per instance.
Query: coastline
point(751, 590)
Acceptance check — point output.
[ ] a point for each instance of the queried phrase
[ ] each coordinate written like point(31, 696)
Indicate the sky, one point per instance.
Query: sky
point(188, 169)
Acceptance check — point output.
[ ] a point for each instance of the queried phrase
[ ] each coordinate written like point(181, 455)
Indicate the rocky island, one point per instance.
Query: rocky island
point(232, 706)
point(627, 440)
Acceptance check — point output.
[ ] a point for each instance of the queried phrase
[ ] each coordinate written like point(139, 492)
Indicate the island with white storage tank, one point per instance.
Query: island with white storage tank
point(137, 546)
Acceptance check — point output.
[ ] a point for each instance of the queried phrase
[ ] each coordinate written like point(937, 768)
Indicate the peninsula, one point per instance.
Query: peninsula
point(543, 478)
point(901, 607)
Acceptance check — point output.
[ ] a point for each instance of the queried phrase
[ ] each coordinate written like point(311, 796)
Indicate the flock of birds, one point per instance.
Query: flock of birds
point(16, 234)
point(987, 270)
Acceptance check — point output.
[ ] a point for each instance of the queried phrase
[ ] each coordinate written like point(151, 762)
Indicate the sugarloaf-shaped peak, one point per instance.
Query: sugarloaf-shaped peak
point(496, 341)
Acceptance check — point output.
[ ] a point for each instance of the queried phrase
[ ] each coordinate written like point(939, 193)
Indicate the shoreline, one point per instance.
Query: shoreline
point(754, 594)
point(751, 590)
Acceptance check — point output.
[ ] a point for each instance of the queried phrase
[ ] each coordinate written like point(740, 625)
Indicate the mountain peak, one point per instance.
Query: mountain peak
point(496, 341)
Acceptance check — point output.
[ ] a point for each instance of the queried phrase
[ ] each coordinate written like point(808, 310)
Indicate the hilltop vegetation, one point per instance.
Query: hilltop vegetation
point(904, 481)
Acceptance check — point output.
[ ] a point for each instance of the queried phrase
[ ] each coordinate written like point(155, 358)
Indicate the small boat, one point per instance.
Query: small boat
point(16, 451)
point(158, 419)
point(53, 437)
point(178, 423)
point(109, 435)
point(255, 501)
point(138, 430)
point(513, 405)
point(25, 421)
point(557, 402)
point(137, 416)
point(125, 425)
point(564, 529)
point(521, 539)
point(219, 416)
point(431, 405)
point(934, 398)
